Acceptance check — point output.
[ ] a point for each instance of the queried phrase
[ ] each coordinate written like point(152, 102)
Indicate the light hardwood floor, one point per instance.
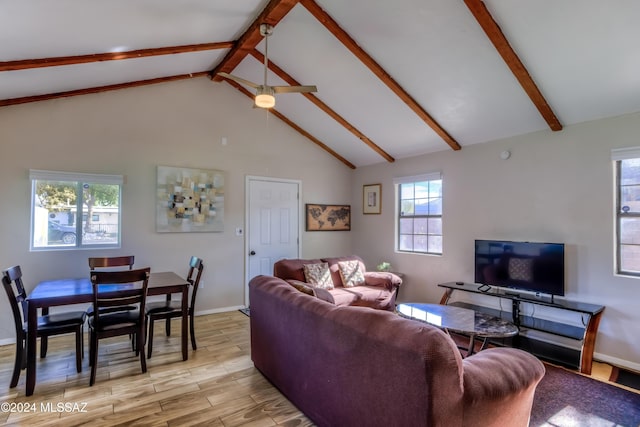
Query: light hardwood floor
point(217, 386)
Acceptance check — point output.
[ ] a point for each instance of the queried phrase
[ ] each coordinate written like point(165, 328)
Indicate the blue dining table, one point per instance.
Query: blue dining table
point(59, 292)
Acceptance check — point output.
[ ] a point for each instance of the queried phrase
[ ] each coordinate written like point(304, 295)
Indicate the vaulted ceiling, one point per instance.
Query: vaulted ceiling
point(395, 79)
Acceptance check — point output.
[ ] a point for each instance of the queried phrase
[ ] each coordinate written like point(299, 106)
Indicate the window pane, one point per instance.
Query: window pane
point(100, 205)
point(420, 226)
point(422, 207)
point(406, 242)
point(406, 226)
point(630, 231)
point(422, 190)
point(53, 217)
point(435, 226)
point(630, 172)
point(630, 198)
point(630, 258)
point(435, 188)
point(407, 207)
point(420, 243)
point(406, 191)
point(435, 244)
point(435, 206)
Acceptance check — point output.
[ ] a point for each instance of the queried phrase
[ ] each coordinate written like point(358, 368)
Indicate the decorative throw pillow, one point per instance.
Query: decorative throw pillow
point(351, 273)
point(521, 269)
point(301, 286)
point(318, 275)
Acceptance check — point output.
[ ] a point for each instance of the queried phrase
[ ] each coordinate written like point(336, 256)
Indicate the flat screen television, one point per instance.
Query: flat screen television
point(527, 266)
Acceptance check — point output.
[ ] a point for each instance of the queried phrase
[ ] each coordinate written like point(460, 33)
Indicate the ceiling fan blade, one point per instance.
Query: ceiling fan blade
point(294, 89)
point(238, 79)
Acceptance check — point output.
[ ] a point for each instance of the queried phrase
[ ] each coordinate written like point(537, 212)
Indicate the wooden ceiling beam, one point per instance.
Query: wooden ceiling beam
point(294, 126)
point(77, 92)
point(272, 15)
point(26, 64)
point(502, 45)
point(324, 107)
point(331, 25)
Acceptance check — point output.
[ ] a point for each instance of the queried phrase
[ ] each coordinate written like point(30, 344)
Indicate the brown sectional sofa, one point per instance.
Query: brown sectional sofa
point(352, 366)
point(378, 291)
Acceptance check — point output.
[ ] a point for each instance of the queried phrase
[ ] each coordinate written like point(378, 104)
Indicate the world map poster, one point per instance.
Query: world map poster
point(328, 217)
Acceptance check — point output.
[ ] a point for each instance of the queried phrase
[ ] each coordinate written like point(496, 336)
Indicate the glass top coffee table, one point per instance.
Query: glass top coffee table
point(461, 320)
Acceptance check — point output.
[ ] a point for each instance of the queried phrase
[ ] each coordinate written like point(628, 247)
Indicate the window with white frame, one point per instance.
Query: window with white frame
point(627, 172)
point(419, 204)
point(74, 210)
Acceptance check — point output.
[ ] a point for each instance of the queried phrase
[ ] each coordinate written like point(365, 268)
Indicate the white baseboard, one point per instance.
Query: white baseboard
point(621, 363)
point(219, 310)
point(7, 341)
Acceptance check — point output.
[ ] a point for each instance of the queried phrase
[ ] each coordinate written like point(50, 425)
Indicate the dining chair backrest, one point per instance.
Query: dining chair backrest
point(106, 262)
point(17, 298)
point(168, 309)
point(105, 298)
point(45, 325)
point(196, 266)
point(106, 324)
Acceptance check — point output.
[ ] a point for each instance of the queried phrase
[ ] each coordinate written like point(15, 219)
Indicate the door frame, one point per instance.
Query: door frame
point(247, 233)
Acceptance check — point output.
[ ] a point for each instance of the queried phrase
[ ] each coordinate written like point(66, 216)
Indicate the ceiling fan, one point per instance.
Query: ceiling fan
point(264, 93)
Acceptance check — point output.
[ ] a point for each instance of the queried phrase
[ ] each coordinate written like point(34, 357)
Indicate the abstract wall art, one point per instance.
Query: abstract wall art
point(189, 200)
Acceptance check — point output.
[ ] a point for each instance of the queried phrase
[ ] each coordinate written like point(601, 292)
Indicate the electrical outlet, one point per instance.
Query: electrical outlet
point(239, 231)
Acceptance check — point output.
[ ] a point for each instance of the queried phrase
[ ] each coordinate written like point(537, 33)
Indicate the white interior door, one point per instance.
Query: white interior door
point(273, 224)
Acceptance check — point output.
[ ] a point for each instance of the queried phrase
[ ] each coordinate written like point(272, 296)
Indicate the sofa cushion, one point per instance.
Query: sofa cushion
point(305, 288)
point(364, 296)
point(301, 286)
point(350, 273)
point(292, 268)
point(318, 275)
point(383, 279)
point(335, 270)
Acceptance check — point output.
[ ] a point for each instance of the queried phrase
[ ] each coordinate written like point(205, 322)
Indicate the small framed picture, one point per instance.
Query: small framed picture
point(371, 198)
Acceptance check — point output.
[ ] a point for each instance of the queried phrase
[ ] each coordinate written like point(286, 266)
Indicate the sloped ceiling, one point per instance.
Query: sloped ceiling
point(395, 79)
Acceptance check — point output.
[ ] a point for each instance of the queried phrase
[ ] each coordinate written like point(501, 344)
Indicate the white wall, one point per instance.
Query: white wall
point(556, 187)
point(132, 131)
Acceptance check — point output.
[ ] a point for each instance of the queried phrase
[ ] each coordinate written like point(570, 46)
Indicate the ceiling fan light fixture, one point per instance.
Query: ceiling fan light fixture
point(264, 97)
point(265, 100)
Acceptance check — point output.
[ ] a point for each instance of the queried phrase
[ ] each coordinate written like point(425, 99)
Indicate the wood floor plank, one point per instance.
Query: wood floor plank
point(217, 387)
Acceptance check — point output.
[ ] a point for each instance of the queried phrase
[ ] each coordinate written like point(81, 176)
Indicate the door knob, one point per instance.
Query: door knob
point(252, 253)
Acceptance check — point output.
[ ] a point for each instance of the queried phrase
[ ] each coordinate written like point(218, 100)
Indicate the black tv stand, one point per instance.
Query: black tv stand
point(515, 312)
point(585, 335)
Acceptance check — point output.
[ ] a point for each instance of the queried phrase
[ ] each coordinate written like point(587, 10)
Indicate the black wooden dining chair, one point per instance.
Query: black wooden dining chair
point(48, 325)
point(171, 309)
point(108, 262)
point(104, 324)
point(111, 263)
